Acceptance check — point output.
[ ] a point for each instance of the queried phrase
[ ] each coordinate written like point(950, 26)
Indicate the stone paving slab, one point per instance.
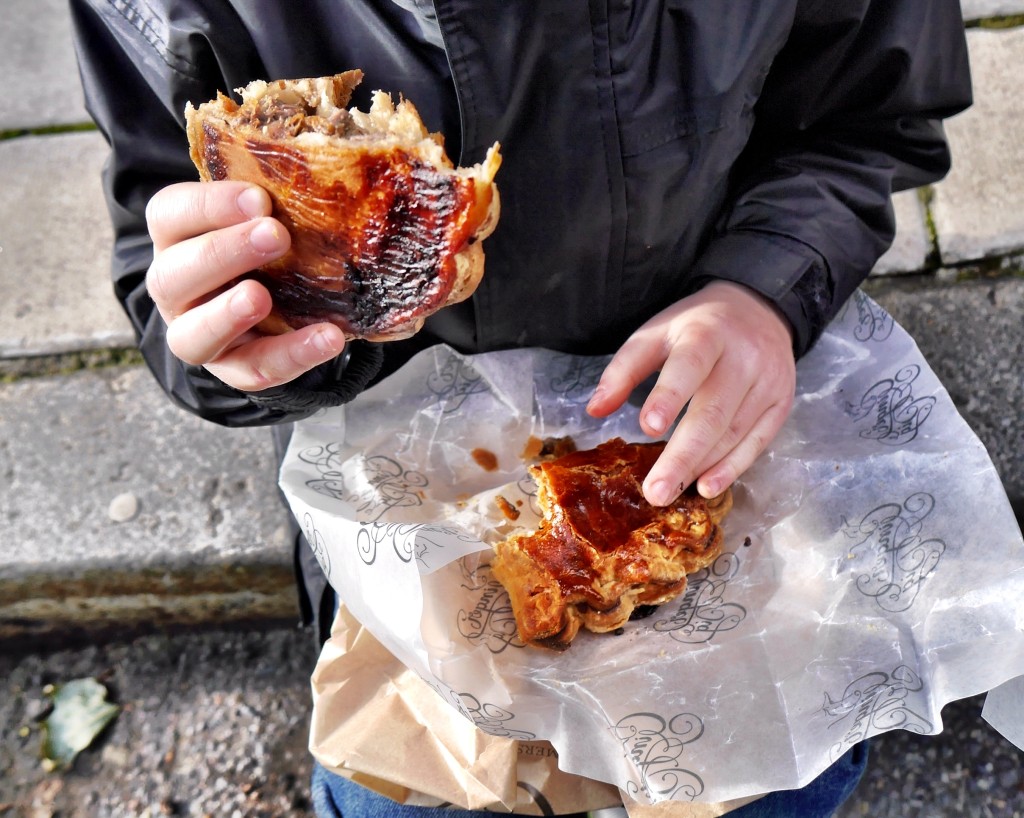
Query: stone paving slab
point(119, 506)
point(37, 62)
point(978, 210)
point(55, 241)
point(912, 245)
point(984, 9)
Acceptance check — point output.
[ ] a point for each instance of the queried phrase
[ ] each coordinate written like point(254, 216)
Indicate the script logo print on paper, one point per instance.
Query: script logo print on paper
point(655, 745)
point(891, 538)
point(895, 414)
point(491, 621)
point(579, 376)
point(317, 545)
point(873, 322)
point(454, 381)
point(492, 719)
point(874, 703)
point(702, 611)
point(374, 485)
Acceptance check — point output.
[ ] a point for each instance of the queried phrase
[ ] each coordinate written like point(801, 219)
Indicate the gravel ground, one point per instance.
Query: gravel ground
point(212, 724)
point(215, 724)
point(967, 771)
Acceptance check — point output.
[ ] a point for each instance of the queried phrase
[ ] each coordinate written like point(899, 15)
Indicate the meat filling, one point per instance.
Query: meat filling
point(279, 119)
point(317, 106)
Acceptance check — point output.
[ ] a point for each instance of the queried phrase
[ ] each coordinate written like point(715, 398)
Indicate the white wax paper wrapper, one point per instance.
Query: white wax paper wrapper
point(871, 573)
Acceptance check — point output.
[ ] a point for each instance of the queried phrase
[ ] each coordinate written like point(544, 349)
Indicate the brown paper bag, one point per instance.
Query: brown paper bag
point(378, 723)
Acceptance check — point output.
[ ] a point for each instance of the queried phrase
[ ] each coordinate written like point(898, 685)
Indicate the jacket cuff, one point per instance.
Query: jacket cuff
point(789, 273)
point(330, 384)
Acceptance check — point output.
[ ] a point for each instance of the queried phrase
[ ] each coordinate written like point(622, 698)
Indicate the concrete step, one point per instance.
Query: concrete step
point(55, 245)
point(975, 10)
point(913, 248)
point(120, 510)
point(37, 61)
point(978, 210)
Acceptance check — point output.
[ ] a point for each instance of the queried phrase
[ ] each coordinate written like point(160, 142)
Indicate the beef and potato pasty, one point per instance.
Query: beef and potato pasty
point(601, 549)
point(385, 230)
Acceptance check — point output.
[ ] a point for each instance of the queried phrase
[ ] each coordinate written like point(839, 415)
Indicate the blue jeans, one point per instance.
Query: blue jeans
point(335, 796)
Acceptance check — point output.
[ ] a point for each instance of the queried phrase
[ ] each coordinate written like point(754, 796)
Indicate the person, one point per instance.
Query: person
point(695, 188)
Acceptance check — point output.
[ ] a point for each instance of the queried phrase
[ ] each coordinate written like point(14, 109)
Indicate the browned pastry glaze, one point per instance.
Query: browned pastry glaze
point(385, 231)
point(601, 549)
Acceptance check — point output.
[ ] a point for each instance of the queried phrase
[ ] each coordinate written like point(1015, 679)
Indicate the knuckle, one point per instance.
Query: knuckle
point(191, 360)
point(154, 210)
point(785, 403)
point(623, 363)
point(728, 472)
point(759, 441)
point(679, 457)
point(734, 433)
point(693, 356)
point(677, 462)
point(255, 378)
point(177, 343)
point(669, 395)
point(169, 206)
point(214, 205)
point(157, 284)
point(277, 365)
point(211, 255)
point(712, 422)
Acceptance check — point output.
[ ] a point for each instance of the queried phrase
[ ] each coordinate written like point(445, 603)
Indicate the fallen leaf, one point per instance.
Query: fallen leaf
point(80, 712)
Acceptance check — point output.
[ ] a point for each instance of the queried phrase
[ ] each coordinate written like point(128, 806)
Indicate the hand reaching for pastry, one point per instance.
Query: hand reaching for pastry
point(728, 353)
point(206, 235)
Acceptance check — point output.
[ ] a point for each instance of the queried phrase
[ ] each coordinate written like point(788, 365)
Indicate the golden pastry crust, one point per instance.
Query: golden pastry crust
point(601, 549)
point(385, 230)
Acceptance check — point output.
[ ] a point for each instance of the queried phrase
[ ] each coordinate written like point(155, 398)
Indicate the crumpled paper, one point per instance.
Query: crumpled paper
point(871, 571)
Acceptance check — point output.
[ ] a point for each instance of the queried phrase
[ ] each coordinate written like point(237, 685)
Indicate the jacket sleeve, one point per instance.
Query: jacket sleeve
point(850, 112)
point(137, 72)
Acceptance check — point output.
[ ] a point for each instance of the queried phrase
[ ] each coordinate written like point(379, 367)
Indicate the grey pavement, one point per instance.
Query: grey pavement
point(974, 10)
point(55, 241)
point(127, 531)
point(39, 62)
point(121, 508)
point(976, 209)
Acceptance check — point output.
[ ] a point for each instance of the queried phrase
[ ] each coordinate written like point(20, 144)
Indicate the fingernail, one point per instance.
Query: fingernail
point(709, 488)
point(322, 343)
point(655, 420)
point(241, 305)
point(658, 493)
point(595, 399)
point(252, 202)
point(266, 237)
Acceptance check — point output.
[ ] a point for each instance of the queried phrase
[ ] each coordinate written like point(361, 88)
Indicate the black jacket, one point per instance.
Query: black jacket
point(649, 147)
